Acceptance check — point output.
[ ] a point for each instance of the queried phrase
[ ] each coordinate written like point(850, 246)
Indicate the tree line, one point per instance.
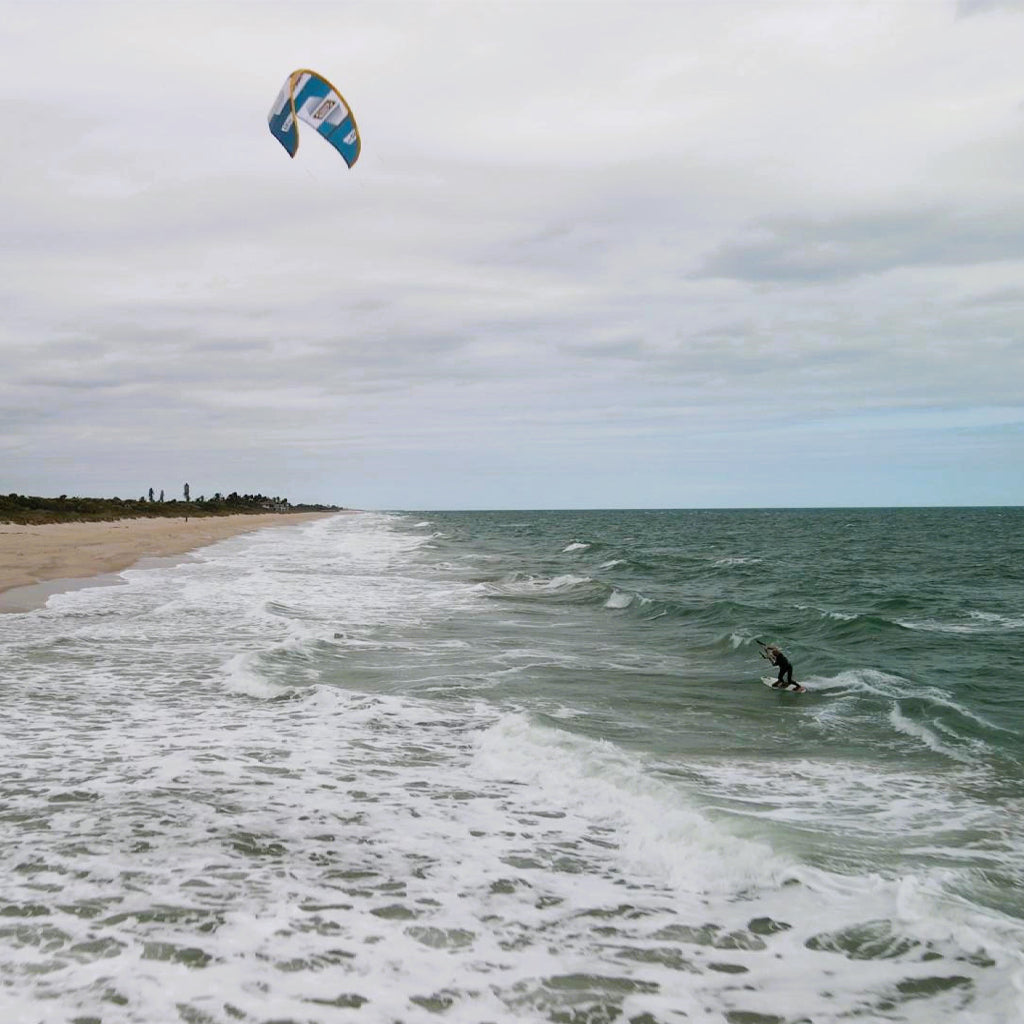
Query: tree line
point(29, 509)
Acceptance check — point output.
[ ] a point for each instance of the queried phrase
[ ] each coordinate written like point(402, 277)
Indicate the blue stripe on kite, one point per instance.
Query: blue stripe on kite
point(313, 88)
point(343, 138)
point(290, 138)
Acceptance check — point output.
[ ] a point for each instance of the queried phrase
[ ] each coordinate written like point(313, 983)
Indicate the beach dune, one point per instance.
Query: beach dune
point(36, 561)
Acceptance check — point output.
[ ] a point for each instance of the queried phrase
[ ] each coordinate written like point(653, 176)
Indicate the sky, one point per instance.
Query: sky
point(593, 254)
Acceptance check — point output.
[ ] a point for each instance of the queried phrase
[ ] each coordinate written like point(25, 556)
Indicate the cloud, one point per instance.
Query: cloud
point(967, 8)
point(801, 250)
point(591, 254)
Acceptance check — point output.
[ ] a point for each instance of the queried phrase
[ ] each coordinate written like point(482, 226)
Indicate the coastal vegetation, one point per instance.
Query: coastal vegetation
point(30, 509)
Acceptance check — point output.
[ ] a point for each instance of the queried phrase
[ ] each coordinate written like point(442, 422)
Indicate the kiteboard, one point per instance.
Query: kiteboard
point(790, 687)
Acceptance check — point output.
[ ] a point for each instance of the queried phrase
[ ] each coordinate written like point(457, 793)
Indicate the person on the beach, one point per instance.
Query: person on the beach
point(777, 658)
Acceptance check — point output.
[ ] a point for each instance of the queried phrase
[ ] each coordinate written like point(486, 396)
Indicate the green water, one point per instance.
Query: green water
point(522, 766)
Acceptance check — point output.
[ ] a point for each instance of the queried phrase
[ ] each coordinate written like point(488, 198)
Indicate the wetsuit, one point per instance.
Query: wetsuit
point(776, 657)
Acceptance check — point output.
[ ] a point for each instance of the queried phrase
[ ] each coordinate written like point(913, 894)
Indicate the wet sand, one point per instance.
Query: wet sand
point(36, 561)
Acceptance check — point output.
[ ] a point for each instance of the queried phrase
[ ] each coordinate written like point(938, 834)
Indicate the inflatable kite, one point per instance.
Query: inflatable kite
point(307, 96)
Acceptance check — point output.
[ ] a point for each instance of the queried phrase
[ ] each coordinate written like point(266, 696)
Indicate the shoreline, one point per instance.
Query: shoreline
point(39, 560)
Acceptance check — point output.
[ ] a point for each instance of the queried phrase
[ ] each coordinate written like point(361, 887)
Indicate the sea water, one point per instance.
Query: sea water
point(520, 766)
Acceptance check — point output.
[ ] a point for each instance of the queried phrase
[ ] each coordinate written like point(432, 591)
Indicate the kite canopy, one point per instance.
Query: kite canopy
point(307, 96)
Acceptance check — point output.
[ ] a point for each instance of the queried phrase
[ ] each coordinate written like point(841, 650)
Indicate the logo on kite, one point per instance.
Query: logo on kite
point(323, 110)
point(308, 96)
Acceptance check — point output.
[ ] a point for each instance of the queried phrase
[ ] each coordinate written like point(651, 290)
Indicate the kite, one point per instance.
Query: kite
point(307, 96)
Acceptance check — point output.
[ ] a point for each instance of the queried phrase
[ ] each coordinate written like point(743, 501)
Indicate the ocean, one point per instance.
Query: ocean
point(520, 766)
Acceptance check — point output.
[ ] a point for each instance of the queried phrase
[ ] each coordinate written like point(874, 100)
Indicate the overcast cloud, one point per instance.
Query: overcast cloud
point(593, 254)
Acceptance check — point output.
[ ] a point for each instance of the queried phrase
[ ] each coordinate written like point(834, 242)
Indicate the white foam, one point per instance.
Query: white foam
point(934, 626)
point(728, 561)
point(920, 731)
point(883, 684)
point(655, 826)
point(576, 545)
point(566, 582)
point(520, 584)
point(660, 834)
point(998, 621)
point(240, 675)
point(978, 622)
point(619, 599)
point(211, 762)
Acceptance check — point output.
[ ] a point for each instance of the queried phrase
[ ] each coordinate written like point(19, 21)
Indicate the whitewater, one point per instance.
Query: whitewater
point(519, 766)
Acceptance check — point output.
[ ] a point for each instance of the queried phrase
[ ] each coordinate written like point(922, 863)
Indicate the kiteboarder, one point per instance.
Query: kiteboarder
point(777, 658)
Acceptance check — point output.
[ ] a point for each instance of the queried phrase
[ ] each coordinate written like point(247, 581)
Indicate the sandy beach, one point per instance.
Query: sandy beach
point(36, 561)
